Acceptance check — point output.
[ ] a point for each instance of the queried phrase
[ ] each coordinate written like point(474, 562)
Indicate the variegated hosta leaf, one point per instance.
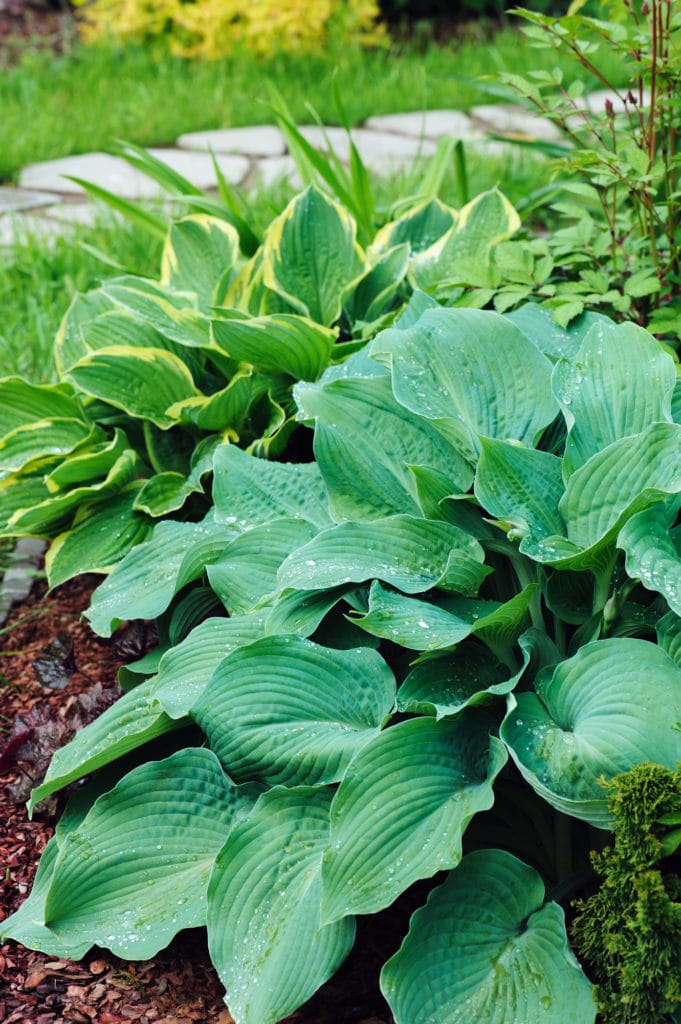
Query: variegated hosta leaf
point(373, 294)
point(143, 382)
point(121, 327)
point(224, 410)
point(102, 537)
point(472, 373)
point(86, 464)
point(166, 821)
point(246, 573)
point(288, 711)
point(264, 931)
point(34, 444)
point(310, 254)
point(487, 948)
point(129, 723)
point(169, 312)
point(168, 491)
point(198, 252)
point(653, 551)
point(279, 343)
point(22, 403)
point(186, 669)
point(410, 554)
point(613, 705)
point(145, 582)
point(248, 490)
point(420, 227)
point(365, 443)
point(433, 625)
point(596, 393)
point(401, 811)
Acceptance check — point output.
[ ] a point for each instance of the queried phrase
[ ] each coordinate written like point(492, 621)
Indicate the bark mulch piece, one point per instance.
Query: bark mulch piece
point(180, 985)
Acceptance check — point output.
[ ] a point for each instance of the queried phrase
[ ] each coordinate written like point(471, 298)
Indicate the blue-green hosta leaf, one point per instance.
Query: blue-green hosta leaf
point(597, 394)
point(401, 811)
point(36, 443)
point(365, 443)
point(280, 343)
point(198, 251)
point(473, 373)
point(264, 931)
point(461, 255)
point(420, 227)
point(143, 382)
point(145, 582)
point(22, 403)
point(248, 490)
point(487, 948)
point(375, 292)
point(310, 254)
point(653, 551)
point(537, 323)
point(668, 631)
point(287, 711)
point(410, 554)
point(616, 703)
point(102, 537)
point(136, 870)
point(521, 487)
point(129, 723)
point(246, 573)
point(445, 686)
point(168, 491)
point(169, 312)
point(426, 626)
point(186, 669)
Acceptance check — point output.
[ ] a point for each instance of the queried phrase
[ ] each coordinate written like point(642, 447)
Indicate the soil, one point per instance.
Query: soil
point(45, 639)
point(34, 25)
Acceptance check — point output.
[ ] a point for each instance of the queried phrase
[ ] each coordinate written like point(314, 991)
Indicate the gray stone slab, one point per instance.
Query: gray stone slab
point(258, 140)
point(378, 150)
point(511, 120)
point(198, 167)
point(271, 169)
point(17, 579)
point(84, 213)
point(12, 200)
point(595, 101)
point(18, 227)
point(429, 124)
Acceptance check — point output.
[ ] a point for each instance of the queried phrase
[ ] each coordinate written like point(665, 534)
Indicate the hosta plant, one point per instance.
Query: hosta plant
point(435, 640)
point(156, 375)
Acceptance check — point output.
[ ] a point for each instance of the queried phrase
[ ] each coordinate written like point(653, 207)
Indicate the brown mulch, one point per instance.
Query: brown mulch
point(179, 986)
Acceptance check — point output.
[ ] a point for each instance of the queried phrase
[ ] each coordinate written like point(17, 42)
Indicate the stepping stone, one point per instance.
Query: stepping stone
point(116, 175)
point(14, 199)
point(429, 124)
point(380, 151)
point(18, 227)
point(271, 169)
point(17, 581)
point(80, 213)
point(595, 101)
point(515, 121)
point(259, 140)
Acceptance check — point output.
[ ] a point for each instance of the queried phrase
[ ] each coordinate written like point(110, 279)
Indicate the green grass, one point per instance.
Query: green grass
point(53, 106)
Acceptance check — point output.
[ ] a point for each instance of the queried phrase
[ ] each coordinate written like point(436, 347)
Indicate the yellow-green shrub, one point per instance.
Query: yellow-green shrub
point(209, 29)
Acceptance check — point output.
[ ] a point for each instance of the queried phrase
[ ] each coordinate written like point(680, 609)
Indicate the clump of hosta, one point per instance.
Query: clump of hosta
point(428, 646)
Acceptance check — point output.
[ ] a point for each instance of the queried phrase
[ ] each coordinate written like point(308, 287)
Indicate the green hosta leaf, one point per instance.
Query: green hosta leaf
point(33, 444)
point(421, 227)
point(287, 711)
point(246, 573)
point(301, 611)
point(375, 292)
point(225, 410)
point(69, 345)
point(613, 705)
point(165, 822)
point(487, 948)
point(425, 626)
point(129, 723)
point(102, 537)
point(310, 254)
point(248, 490)
point(537, 324)
point(364, 445)
point(653, 551)
point(122, 327)
point(186, 669)
point(473, 372)
point(167, 492)
point(198, 251)
point(668, 631)
point(264, 932)
point(22, 403)
point(169, 312)
point(410, 554)
point(145, 582)
point(85, 465)
point(596, 394)
point(143, 382)
point(401, 811)
point(521, 487)
point(280, 343)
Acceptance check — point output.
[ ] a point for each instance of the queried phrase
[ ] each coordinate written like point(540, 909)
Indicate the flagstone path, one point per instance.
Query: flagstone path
point(48, 200)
